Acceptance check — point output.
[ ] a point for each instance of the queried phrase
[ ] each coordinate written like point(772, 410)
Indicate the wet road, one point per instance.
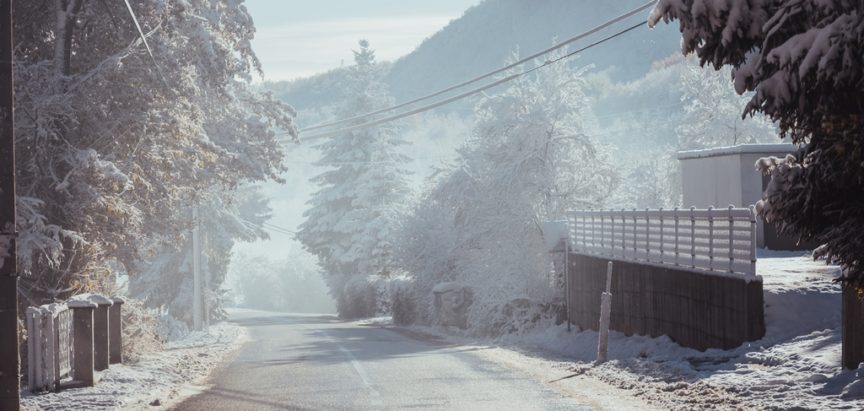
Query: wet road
point(322, 363)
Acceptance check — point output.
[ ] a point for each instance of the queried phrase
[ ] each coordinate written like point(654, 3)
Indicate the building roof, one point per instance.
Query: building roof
point(768, 149)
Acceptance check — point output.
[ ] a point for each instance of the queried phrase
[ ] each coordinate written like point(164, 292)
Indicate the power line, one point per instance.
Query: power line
point(279, 229)
point(468, 93)
point(412, 112)
point(268, 227)
point(489, 74)
point(144, 40)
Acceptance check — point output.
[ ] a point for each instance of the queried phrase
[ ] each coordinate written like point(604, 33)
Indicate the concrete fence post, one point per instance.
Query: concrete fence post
point(34, 348)
point(82, 347)
point(101, 332)
point(115, 327)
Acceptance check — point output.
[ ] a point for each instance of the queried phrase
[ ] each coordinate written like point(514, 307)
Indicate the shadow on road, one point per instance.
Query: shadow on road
point(250, 399)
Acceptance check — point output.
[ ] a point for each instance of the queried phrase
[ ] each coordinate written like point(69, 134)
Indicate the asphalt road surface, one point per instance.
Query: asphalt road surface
point(322, 363)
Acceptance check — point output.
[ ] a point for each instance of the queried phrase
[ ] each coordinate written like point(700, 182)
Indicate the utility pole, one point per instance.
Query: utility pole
point(197, 283)
point(205, 275)
point(10, 390)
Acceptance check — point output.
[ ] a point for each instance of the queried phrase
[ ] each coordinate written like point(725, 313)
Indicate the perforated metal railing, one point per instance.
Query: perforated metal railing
point(717, 240)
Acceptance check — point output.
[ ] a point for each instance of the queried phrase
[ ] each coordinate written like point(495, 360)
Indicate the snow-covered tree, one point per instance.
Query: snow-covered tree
point(802, 59)
point(527, 161)
point(678, 105)
point(114, 146)
point(651, 181)
point(164, 276)
point(712, 111)
point(351, 219)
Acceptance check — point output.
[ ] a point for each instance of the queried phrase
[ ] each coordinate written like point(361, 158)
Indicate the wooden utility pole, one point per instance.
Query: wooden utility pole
point(10, 390)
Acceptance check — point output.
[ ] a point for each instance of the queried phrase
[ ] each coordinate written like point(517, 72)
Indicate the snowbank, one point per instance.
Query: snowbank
point(796, 364)
point(163, 376)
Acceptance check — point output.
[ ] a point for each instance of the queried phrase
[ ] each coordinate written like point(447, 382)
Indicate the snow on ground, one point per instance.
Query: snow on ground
point(796, 364)
point(165, 376)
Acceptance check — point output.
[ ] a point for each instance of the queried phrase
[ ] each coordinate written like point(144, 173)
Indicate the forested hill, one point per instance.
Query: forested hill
point(486, 36)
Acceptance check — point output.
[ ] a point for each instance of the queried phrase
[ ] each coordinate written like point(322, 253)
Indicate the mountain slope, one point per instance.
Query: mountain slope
point(487, 35)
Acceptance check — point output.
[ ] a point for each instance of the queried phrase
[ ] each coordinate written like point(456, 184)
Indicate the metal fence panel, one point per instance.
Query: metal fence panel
point(64, 343)
point(717, 240)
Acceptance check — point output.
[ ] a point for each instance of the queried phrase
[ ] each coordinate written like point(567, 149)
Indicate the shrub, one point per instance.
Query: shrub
point(403, 300)
point(141, 331)
point(358, 298)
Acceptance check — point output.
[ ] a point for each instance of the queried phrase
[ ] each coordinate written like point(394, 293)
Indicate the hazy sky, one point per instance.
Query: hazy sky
point(300, 38)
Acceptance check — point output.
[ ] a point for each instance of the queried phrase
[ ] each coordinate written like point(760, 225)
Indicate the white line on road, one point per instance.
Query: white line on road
point(377, 400)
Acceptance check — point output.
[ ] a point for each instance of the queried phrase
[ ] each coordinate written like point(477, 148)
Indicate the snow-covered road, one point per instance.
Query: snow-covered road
point(319, 362)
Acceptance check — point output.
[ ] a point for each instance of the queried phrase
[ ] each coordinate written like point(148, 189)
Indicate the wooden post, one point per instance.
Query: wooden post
point(10, 362)
point(115, 329)
point(82, 346)
point(605, 317)
point(567, 280)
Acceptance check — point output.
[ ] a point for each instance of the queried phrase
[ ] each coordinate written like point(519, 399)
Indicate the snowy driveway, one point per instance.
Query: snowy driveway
point(319, 362)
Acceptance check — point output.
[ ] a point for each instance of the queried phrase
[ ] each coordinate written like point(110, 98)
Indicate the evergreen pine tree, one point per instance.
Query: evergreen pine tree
point(350, 222)
point(802, 60)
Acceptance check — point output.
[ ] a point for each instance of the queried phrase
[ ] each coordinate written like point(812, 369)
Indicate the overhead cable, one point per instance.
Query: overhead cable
point(146, 45)
point(489, 74)
point(467, 93)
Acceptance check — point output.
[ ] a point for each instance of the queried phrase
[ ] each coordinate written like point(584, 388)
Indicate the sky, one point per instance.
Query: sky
point(300, 38)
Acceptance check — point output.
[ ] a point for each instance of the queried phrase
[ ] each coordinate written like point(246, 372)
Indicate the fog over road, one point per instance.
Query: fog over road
point(322, 363)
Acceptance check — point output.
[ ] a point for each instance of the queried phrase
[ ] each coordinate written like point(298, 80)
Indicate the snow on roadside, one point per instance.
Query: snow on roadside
point(796, 364)
point(555, 374)
point(162, 376)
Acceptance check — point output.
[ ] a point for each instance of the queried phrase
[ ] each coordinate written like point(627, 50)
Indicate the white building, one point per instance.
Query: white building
point(726, 176)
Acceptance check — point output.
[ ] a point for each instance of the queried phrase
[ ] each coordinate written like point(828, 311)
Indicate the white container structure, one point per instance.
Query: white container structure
point(728, 175)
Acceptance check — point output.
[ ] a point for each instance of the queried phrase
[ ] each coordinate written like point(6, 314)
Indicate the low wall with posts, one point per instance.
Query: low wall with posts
point(696, 310)
point(688, 274)
point(67, 342)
